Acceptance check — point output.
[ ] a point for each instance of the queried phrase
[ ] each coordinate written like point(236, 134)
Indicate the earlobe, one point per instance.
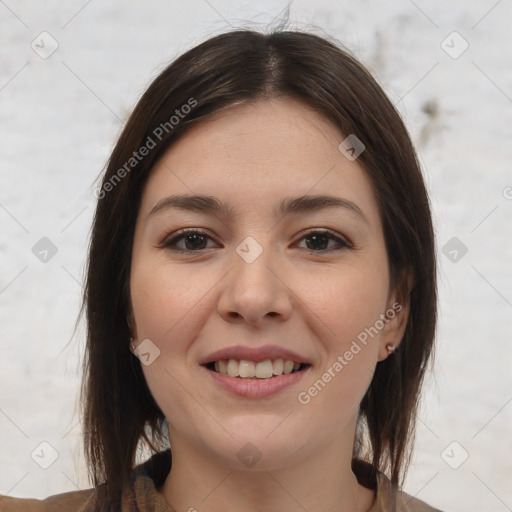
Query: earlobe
point(390, 348)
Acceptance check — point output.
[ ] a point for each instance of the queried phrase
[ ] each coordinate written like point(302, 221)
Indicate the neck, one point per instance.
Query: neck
point(322, 481)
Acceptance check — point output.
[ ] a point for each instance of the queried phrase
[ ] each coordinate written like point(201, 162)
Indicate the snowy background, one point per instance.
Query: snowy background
point(59, 118)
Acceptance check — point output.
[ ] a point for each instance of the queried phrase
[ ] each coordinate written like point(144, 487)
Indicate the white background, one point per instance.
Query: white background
point(59, 119)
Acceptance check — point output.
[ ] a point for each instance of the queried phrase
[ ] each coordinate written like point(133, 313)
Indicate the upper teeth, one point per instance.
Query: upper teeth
point(260, 370)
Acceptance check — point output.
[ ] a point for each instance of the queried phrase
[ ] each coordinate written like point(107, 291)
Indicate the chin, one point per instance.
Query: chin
point(258, 446)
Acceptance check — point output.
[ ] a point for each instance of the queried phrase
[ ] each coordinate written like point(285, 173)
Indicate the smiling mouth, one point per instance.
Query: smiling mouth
point(244, 369)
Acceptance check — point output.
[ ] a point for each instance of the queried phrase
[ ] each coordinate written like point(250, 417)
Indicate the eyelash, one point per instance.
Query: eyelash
point(170, 243)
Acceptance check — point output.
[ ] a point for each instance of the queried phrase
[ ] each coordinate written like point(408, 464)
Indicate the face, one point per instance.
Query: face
point(266, 276)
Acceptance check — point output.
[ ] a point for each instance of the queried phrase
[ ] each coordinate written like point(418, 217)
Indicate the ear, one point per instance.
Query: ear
point(130, 319)
point(396, 318)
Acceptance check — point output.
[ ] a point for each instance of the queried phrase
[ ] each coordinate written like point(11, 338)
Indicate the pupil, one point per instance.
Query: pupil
point(316, 238)
point(196, 240)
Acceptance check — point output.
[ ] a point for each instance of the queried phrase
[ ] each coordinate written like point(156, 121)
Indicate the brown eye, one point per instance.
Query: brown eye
point(323, 241)
point(194, 241)
point(188, 241)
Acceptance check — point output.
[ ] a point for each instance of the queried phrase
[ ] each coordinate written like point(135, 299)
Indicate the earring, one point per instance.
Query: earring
point(132, 346)
point(390, 348)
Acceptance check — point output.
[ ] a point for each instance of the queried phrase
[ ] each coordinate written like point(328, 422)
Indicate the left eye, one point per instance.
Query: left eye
point(319, 241)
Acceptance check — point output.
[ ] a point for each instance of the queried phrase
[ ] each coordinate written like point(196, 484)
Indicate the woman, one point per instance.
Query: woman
point(261, 290)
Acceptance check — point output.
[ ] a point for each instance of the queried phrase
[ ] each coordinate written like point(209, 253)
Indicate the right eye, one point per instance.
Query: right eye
point(191, 240)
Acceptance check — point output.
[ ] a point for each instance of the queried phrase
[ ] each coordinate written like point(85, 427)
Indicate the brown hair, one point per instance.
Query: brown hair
point(119, 411)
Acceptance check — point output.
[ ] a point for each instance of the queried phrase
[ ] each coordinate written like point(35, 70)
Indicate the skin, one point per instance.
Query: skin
point(297, 294)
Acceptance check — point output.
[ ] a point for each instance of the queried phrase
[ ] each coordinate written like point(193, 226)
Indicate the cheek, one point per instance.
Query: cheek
point(181, 403)
point(348, 306)
point(347, 302)
point(170, 309)
point(167, 301)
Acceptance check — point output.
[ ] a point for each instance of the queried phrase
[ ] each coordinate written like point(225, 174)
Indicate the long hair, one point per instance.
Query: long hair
point(119, 412)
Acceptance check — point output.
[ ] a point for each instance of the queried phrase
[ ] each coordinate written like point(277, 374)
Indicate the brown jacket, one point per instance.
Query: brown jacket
point(142, 494)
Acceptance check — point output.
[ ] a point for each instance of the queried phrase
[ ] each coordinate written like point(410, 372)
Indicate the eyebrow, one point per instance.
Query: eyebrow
point(290, 205)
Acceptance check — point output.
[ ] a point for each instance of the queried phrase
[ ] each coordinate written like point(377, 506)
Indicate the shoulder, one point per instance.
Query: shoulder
point(390, 499)
point(407, 503)
point(387, 497)
point(77, 501)
point(140, 491)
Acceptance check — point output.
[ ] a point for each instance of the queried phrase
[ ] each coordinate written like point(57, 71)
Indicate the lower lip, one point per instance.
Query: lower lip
point(256, 388)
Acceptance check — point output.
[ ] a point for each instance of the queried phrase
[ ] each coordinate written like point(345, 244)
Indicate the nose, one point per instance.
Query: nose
point(255, 292)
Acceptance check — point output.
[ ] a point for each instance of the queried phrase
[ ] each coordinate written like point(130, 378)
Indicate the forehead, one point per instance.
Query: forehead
point(262, 131)
point(254, 154)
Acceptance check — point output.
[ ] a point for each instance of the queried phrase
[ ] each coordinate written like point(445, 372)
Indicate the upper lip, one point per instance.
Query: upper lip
point(255, 354)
